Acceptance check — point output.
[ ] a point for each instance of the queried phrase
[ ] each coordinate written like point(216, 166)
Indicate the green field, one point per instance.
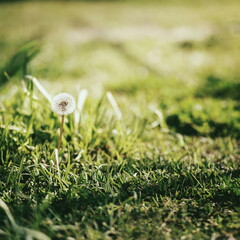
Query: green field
point(152, 150)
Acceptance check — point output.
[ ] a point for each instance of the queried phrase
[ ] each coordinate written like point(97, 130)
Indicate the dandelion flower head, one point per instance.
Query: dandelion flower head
point(63, 104)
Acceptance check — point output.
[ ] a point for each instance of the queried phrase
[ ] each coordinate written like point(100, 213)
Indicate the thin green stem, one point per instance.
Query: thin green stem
point(61, 133)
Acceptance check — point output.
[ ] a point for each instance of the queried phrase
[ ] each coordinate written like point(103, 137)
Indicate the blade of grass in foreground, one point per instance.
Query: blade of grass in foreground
point(19, 61)
point(40, 87)
point(82, 96)
point(29, 233)
point(114, 105)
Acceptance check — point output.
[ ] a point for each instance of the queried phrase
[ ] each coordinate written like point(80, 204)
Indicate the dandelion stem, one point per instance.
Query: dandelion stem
point(61, 133)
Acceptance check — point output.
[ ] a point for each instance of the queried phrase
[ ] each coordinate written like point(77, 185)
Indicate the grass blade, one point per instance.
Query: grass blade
point(114, 105)
point(40, 87)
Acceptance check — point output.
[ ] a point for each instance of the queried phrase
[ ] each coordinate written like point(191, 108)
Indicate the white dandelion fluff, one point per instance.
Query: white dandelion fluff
point(63, 104)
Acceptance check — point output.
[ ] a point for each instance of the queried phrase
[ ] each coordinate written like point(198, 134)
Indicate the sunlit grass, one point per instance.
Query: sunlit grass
point(152, 150)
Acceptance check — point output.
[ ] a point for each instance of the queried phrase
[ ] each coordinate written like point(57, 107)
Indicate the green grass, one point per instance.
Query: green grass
point(163, 163)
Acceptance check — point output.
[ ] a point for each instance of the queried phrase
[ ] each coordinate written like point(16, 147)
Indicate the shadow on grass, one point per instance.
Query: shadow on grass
point(217, 87)
point(216, 129)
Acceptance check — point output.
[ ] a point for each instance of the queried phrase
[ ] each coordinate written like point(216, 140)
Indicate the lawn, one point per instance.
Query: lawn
point(152, 149)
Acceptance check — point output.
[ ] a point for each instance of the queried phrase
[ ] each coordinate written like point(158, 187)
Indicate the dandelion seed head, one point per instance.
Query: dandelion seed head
point(63, 104)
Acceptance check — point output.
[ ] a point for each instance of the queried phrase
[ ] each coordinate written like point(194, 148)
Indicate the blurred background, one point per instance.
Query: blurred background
point(156, 51)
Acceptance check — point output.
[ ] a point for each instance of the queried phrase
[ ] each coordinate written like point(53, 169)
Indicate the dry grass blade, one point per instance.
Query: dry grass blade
point(14, 128)
point(114, 105)
point(57, 161)
point(40, 87)
point(82, 96)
